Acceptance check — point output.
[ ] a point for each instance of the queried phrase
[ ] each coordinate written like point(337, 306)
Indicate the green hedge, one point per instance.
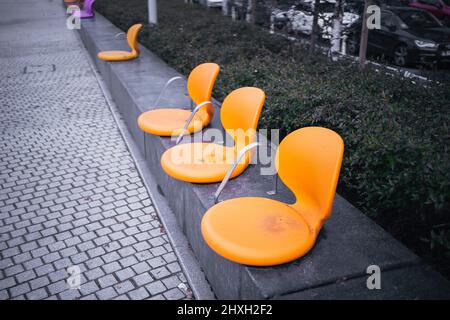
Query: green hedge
point(396, 165)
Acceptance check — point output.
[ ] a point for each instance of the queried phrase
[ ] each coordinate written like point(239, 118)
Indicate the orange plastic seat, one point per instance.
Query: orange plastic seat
point(172, 121)
point(201, 162)
point(209, 162)
point(118, 55)
point(264, 232)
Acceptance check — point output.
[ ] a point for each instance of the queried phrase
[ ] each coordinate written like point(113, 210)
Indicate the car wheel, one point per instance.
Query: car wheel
point(401, 55)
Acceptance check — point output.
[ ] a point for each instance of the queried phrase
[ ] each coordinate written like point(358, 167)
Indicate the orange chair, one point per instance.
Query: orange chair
point(117, 55)
point(264, 232)
point(209, 162)
point(172, 121)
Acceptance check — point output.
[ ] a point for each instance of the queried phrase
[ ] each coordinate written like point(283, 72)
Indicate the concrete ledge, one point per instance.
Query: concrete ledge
point(349, 242)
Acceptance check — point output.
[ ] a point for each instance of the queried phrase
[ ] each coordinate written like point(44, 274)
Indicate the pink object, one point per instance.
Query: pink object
point(86, 12)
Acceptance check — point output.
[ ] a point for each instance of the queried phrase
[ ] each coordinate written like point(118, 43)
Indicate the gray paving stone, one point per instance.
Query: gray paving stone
point(111, 267)
point(171, 282)
point(106, 294)
point(112, 246)
point(70, 294)
point(95, 252)
point(141, 246)
point(90, 287)
point(85, 246)
point(19, 290)
point(10, 252)
point(157, 262)
point(79, 258)
point(4, 295)
point(39, 282)
point(62, 263)
point(170, 257)
point(141, 267)
point(160, 272)
point(143, 279)
point(110, 257)
point(107, 281)
point(13, 270)
point(51, 257)
point(174, 294)
point(125, 274)
point(174, 267)
point(138, 294)
point(128, 261)
point(7, 282)
point(58, 275)
point(44, 270)
point(57, 287)
point(38, 294)
point(144, 255)
point(32, 264)
point(94, 263)
point(25, 276)
point(39, 252)
point(156, 287)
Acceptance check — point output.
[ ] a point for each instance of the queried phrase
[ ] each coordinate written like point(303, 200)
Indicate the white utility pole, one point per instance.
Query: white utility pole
point(225, 7)
point(152, 12)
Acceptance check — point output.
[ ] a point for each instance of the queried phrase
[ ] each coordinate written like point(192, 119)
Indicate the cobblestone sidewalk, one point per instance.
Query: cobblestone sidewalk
point(70, 194)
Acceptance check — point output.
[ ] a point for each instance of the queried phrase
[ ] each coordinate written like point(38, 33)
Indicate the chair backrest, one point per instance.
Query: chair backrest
point(87, 6)
point(308, 161)
point(132, 37)
point(240, 114)
point(200, 84)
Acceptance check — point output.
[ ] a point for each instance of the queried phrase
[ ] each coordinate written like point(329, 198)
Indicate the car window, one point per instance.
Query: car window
point(418, 19)
point(387, 19)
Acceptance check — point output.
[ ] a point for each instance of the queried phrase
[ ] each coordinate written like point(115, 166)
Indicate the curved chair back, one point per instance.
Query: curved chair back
point(240, 114)
point(132, 37)
point(87, 6)
point(200, 84)
point(308, 161)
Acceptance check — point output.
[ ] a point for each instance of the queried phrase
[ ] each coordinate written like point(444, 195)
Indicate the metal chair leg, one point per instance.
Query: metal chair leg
point(145, 147)
point(275, 191)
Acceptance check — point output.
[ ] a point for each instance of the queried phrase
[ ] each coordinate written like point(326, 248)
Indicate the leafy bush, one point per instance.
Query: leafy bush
point(396, 165)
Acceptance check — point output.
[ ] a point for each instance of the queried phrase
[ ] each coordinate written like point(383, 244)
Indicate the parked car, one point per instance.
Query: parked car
point(406, 36)
point(299, 18)
point(440, 8)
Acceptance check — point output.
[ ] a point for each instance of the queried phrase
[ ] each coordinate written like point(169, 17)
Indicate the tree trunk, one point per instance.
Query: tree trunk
point(315, 28)
point(251, 11)
point(338, 16)
point(364, 37)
